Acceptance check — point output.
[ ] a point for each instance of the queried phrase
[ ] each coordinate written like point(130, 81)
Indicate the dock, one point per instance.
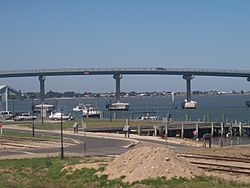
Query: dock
point(183, 129)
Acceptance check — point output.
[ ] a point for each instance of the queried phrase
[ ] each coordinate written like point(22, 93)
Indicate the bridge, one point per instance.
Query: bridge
point(112, 71)
point(187, 73)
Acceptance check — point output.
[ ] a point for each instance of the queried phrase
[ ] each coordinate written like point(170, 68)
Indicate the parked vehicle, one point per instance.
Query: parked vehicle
point(6, 114)
point(24, 117)
point(58, 116)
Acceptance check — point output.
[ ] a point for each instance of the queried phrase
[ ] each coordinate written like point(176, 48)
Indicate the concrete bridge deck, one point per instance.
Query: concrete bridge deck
point(112, 71)
point(187, 73)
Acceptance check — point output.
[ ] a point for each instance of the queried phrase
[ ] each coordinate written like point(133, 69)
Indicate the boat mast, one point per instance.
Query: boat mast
point(173, 98)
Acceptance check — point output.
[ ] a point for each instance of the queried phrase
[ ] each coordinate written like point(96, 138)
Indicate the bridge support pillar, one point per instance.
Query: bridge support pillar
point(117, 78)
point(188, 79)
point(42, 80)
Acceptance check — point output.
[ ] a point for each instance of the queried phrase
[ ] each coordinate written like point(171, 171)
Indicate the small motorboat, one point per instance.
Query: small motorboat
point(45, 106)
point(59, 115)
point(118, 106)
point(189, 105)
point(88, 111)
point(79, 108)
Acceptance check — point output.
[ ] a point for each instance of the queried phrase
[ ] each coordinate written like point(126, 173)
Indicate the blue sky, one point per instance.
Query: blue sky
point(131, 33)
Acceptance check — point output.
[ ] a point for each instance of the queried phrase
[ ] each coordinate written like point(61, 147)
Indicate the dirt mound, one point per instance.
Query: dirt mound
point(148, 162)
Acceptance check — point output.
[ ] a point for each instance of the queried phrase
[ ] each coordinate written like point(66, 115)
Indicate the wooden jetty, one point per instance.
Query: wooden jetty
point(185, 129)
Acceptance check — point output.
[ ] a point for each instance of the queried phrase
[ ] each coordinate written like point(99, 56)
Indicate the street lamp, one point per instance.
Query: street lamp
point(33, 124)
point(84, 126)
point(62, 154)
point(42, 113)
point(13, 106)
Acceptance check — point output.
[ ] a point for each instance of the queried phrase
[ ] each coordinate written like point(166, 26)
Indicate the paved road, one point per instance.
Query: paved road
point(95, 146)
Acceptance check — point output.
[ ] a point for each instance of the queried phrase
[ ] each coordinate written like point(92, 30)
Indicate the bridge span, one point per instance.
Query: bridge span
point(113, 71)
point(187, 73)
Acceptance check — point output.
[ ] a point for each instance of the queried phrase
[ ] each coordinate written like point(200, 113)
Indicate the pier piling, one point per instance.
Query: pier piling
point(182, 131)
point(240, 128)
point(222, 128)
point(212, 129)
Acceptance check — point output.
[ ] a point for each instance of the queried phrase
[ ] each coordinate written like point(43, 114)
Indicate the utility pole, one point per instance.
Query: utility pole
point(33, 123)
point(62, 153)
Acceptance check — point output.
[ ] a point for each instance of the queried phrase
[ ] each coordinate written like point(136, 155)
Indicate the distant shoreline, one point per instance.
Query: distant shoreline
point(138, 96)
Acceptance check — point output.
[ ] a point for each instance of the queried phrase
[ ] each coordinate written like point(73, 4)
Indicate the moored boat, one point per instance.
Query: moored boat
point(45, 106)
point(118, 106)
point(79, 107)
point(189, 105)
point(88, 111)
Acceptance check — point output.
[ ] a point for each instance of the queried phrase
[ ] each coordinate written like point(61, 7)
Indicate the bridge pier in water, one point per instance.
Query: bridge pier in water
point(42, 80)
point(188, 79)
point(42, 93)
point(117, 78)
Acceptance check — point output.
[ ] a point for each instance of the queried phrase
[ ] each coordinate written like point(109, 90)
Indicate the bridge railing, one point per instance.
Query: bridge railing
point(141, 70)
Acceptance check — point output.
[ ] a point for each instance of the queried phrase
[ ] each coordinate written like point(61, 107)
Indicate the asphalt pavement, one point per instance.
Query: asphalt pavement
point(96, 145)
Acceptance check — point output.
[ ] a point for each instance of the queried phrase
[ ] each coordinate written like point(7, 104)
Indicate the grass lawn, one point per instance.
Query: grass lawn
point(50, 173)
point(91, 123)
point(20, 134)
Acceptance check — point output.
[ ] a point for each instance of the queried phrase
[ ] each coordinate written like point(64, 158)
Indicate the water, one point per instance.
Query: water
point(214, 108)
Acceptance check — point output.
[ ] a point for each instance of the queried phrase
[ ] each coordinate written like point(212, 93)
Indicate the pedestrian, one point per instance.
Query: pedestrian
point(169, 117)
point(75, 127)
point(195, 133)
point(162, 133)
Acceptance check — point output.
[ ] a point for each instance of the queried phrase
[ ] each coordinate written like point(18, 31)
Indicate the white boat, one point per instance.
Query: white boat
point(58, 116)
point(118, 106)
point(45, 106)
point(79, 108)
point(189, 105)
point(88, 110)
point(149, 118)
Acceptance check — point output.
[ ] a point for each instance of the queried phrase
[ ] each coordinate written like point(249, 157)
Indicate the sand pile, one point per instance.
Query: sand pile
point(148, 162)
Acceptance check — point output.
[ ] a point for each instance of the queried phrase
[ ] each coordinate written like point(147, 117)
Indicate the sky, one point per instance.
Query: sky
point(37, 34)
